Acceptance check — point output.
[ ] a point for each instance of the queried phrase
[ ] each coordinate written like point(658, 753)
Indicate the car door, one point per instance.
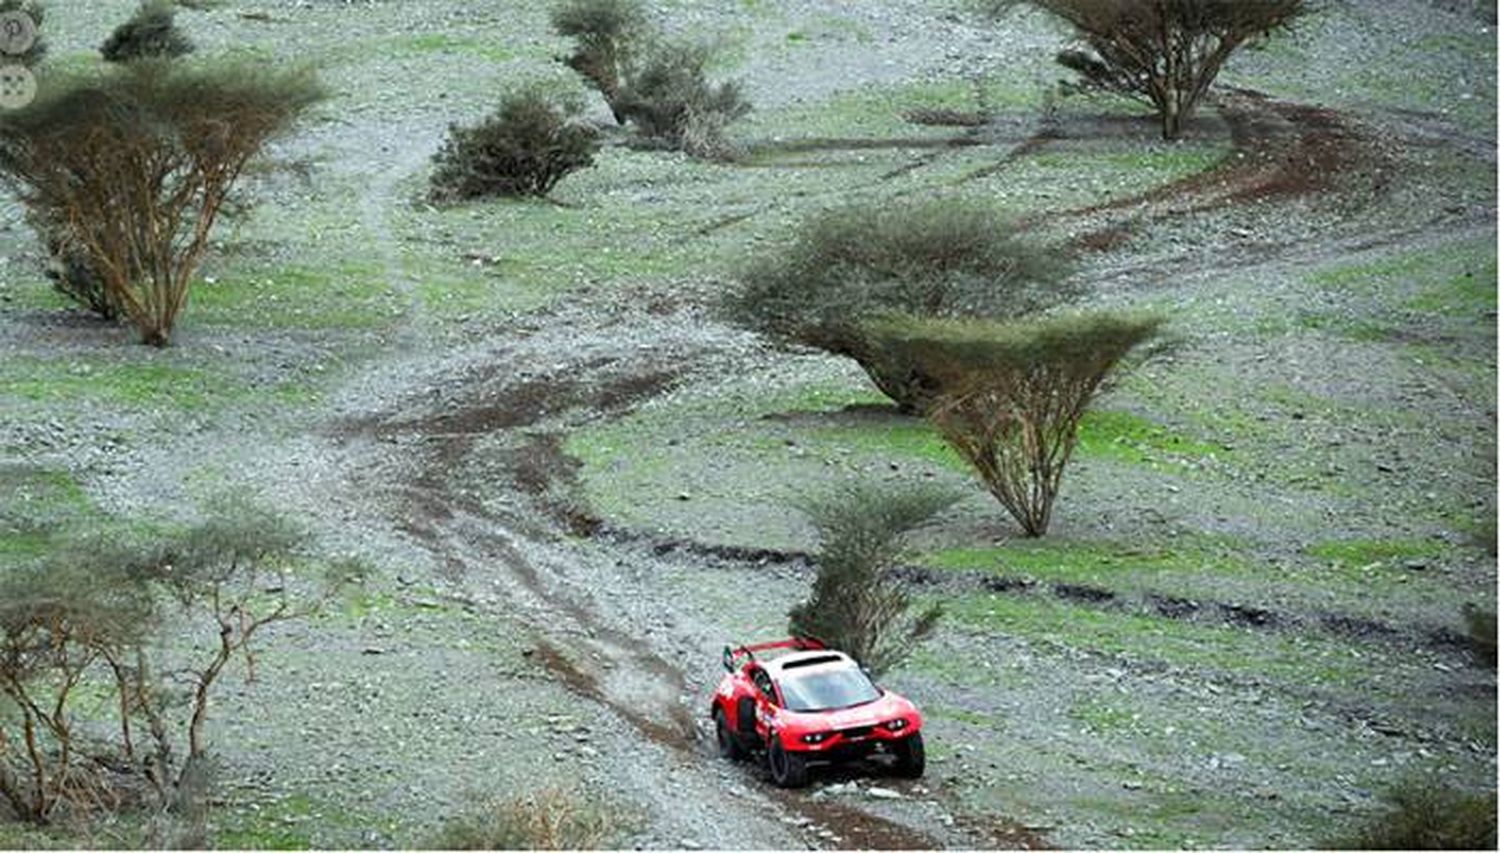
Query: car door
point(766, 702)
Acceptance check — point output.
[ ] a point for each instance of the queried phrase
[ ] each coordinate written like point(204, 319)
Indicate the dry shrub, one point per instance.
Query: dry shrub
point(946, 257)
point(72, 271)
point(659, 85)
point(1421, 814)
point(524, 149)
point(59, 622)
point(671, 101)
point(549, 819)
point(79, 632)
point(152, 32)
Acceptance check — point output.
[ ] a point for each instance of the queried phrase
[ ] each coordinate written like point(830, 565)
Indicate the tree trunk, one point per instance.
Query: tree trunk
point(1171, 121)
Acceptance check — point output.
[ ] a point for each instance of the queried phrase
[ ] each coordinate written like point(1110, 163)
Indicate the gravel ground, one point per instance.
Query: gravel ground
point(498, 649)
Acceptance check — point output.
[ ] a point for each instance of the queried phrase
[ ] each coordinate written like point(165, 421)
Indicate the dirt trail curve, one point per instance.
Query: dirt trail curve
point(595, 621)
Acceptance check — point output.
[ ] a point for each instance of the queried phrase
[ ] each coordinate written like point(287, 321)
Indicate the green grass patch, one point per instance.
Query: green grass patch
point(338, 296)
point(140, 386)
point(282, 826)
point(1170, 161)
point(1139, 636)
point(902, 438)
point(34, 292)
point(35, 505)
point(1095, 563)
point(1125, 437)
point(295, 822)
point(1102, 715)
point(1118, 436)
point(445, 43)
point(1354, 328)
point(1365, 552)
point(1456, 277)
point(1469, 293)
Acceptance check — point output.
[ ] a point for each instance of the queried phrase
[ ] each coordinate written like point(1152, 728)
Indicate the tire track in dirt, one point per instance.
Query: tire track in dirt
point(575, 640)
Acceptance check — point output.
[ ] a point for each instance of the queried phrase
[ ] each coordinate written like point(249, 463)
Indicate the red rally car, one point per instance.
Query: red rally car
point(808, 706)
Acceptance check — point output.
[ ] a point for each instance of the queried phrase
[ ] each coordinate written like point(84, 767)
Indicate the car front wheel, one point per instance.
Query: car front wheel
point(911, 757)
point(788, 769)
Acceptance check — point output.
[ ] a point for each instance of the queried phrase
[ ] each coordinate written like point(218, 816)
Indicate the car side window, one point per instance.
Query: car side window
point(763, 682)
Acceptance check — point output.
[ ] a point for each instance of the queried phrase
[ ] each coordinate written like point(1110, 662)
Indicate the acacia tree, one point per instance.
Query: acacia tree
point(1165, 53)
point(137, 164)
point(1011, 395)
point(91, 616)
point(233, 569)
point(856, 605)
point(57, 622)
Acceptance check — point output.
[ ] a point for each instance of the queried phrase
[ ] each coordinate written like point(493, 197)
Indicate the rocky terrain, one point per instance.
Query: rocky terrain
point(576, 481)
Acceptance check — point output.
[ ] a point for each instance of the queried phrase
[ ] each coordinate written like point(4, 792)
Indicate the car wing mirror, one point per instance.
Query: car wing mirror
point(728, 659)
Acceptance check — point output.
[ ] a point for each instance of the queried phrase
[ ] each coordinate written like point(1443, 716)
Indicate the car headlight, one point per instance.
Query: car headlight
point(896, 725)
point(816, 737)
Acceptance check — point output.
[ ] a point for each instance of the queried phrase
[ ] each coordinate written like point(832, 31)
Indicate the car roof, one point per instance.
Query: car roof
point(816, 659)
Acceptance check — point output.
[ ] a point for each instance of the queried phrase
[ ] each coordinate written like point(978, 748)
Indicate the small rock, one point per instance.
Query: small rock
point(372, 650)
point(690, 844)
point(842, 788)
point(882, 793)
point(1130, 785)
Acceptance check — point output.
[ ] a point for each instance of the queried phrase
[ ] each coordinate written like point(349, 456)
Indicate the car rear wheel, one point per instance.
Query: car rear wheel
point(729, 745)
point(911, 757)
point(788, 769)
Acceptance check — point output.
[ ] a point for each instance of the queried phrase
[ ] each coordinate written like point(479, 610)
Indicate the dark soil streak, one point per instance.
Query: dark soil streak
point(958, 581)
point(1281, 150)
point(576, 680)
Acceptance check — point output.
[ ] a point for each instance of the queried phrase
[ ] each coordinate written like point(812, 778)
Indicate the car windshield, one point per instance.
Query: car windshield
point(827, 689)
